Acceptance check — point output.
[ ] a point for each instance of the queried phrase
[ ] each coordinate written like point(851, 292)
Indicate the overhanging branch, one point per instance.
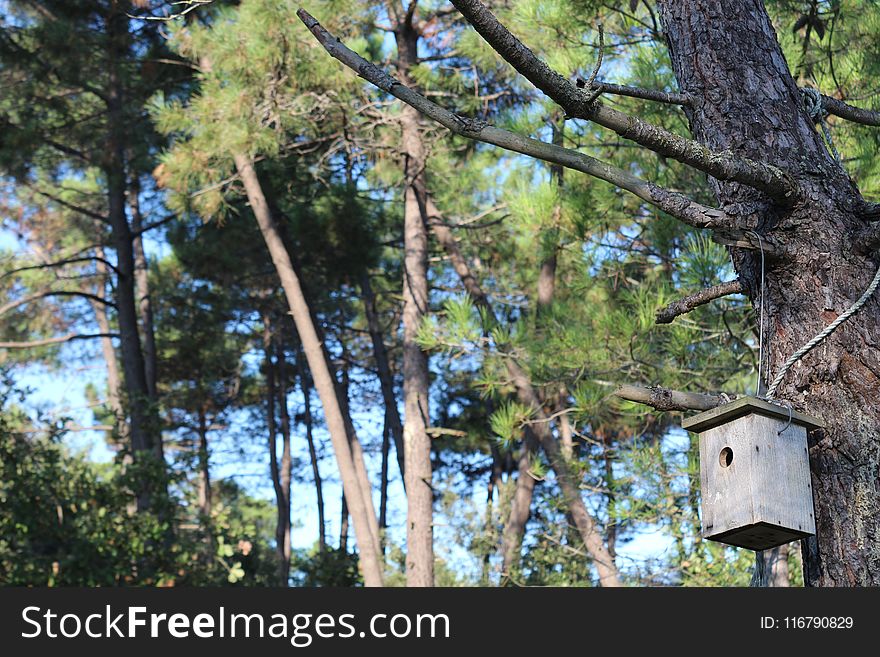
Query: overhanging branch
point(679, 206)
point(769, 179)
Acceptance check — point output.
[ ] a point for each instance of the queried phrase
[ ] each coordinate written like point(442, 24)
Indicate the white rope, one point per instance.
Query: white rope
point(800, 353)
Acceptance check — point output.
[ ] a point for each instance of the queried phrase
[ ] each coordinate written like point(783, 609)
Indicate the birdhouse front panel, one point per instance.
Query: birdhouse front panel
point(754, 474)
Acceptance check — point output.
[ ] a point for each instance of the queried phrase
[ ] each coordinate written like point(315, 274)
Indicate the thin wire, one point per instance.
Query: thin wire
point(779, 433)
point(761, 320)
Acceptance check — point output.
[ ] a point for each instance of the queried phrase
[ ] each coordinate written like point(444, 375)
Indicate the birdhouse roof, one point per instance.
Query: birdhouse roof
point(746, 406)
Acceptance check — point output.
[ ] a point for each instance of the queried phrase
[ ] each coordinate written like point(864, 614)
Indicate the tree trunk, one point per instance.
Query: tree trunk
point(343, 526)
point(144, 427)
point(383, 481)
point(540, 427)
point(285, 466)
point(114, 384)
point(142, 290)
point(386, 379)
point(726, 56)
point(204, 489)
point(282, 508)
point(778, 566)
point(324, 383)
point(306, 387)
point(495, 474)
point(357, 455)
point(520, 507)
point(417, 443)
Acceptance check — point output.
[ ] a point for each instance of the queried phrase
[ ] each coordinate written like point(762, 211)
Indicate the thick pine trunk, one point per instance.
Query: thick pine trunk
point(726, 56)
point(416, 442)
point(325, 385)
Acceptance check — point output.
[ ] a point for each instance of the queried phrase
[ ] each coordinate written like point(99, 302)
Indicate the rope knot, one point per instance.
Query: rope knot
point(812, 101)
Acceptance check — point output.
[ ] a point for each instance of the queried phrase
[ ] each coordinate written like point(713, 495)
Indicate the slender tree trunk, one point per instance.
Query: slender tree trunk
point(778, 566)
point(306, 386)
point(205, 498)
point(520, 507)
point(204, 487)
point(725, 54)
point(495, 475)
point(566, 435)
point(386, 379)
point(143, 421)
point(286, 465)
point(383, 483)
point(417, 443)
point(540, 428)
point(142, 290)
point(324, 383)
point(282, 507)
point(357, 455)
point(108, 352)
point(343, 526)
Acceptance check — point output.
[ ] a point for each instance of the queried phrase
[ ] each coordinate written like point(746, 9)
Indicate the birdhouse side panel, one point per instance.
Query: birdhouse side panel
point(781, 489)
point(726, 477)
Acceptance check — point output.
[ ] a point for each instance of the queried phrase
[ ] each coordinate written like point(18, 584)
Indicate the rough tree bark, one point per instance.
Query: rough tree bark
point(727, 59)
point(416, 442)
point(324, 382)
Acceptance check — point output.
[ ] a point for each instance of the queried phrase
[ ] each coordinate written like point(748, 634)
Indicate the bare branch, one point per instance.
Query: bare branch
point(70, 206)
point(849, 112)
point(664, 399)
point(655, 95)
point(682, 306)
point(50, 293)
point(677, 205)
point(59, 263)
point(769, 179)
point(59, 340)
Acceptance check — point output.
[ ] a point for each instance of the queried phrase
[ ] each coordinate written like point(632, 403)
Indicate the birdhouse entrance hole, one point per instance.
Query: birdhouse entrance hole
point(726, 457)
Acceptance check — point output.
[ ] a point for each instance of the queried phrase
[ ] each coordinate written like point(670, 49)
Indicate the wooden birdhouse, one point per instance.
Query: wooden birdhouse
point(754, 473)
